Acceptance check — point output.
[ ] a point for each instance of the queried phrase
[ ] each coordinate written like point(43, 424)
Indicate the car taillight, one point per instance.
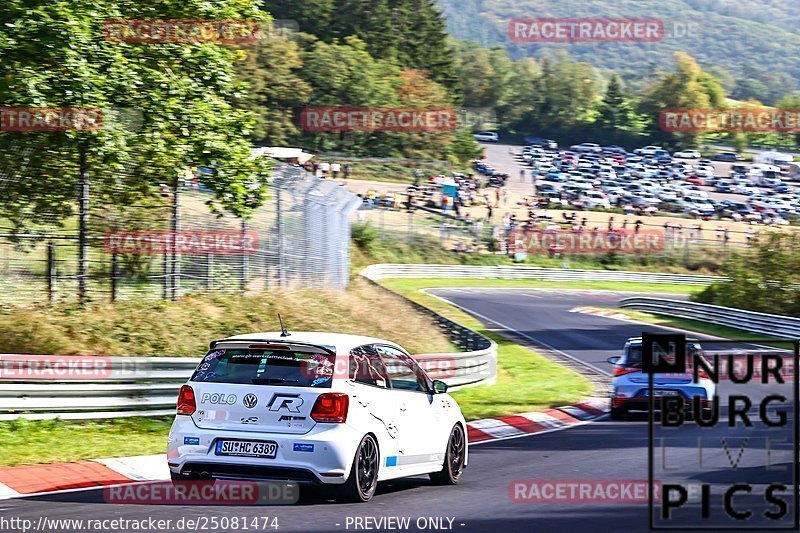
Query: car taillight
point(622, 370)
point(331, 407)
point(186, 403)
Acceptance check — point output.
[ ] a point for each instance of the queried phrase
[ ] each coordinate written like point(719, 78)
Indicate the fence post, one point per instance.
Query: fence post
point(210, 272)
point(279, 224)
point(51, 271)
point(165, 291)
point(245, 259)
point(83, 219)
point(176, 226)
point(114, 275)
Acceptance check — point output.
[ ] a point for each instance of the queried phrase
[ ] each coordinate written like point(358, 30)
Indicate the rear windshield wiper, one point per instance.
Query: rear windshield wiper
point(268, 381)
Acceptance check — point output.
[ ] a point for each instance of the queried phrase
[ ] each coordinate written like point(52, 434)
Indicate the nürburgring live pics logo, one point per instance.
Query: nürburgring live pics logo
point(745, 438)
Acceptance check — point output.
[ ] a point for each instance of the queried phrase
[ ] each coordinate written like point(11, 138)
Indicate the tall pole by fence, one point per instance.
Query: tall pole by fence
point(83, 219)
point(114, 275)
point(51, 272)
point(176, 226)
point(279, 228)
point(245, 259)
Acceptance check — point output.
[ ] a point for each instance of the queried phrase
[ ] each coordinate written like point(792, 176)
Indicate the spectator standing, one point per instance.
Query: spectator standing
point(347, 170)
point(335, 169)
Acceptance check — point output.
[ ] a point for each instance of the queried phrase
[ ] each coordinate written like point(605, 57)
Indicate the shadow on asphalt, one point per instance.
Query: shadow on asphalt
point(309, 495)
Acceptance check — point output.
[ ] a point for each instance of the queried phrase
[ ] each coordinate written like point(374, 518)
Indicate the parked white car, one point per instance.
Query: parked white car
point(487, 137)
point(319, 408)
point(595, 199)
point(687, 154)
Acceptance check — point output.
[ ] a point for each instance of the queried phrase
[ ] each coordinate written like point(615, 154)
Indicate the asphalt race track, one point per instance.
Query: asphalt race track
point(602, 450)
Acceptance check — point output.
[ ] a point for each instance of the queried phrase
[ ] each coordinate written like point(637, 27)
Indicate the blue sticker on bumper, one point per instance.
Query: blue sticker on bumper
point(299, 447)
point(391, 461)
point(192, 441)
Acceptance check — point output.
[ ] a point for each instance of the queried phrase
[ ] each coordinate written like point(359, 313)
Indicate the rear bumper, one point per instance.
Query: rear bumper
point(324, 455)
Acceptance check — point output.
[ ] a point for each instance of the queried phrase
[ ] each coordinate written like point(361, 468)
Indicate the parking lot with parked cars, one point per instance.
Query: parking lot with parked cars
point(651, 180)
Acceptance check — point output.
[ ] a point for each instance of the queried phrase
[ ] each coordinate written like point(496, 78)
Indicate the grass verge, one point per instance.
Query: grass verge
point(50, 441)
point(526, 381)
point(185, 327)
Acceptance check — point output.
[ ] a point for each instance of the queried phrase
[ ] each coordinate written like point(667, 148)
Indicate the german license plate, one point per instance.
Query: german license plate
point(658, 392)
point(247, 448)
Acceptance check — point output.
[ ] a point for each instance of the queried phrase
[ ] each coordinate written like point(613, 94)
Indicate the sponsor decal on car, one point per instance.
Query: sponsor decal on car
point(250, 400)
point(302, 447)
point(218, 399)
point(191, 441)
point(290, 402)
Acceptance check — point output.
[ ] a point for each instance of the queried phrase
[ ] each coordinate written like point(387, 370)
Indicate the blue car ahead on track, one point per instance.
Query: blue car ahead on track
point(630, 385)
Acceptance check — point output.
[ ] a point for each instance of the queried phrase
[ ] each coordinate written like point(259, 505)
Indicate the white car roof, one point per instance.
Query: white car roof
point(343, 342)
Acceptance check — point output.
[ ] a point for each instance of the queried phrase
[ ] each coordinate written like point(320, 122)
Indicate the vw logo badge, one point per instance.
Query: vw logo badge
point(250, 401)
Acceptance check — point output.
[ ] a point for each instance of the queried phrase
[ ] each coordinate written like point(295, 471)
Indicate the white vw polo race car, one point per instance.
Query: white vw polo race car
point(319, 408)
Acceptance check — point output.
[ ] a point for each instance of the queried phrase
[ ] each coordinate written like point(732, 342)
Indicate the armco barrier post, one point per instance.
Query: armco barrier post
point(51, 271)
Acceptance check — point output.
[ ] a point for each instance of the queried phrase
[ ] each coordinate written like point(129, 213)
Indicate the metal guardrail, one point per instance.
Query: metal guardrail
point(750, 321)
point(148, 386)
point(386, 271)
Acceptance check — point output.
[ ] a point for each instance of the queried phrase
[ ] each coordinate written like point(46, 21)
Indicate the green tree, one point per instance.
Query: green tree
point(274, 89)
point(687, 87)
point(55, 55)
point(764, 279)
point(616, 115)
point(409, 32)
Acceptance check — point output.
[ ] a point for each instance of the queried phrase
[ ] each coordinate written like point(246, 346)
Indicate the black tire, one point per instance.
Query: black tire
point(618, 413)
point(453, 466)
point(363, 480)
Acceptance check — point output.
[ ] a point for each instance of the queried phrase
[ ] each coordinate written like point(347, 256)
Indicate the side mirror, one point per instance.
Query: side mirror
point(439, 387)
point(614, 360)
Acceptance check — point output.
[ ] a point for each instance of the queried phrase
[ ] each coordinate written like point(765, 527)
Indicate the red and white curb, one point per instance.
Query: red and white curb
point(20, 481)
point(17, 481)
point(520, 425)
point(600, 312)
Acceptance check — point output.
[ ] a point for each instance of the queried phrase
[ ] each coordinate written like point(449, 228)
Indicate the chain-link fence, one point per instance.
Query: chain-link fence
point(694, 245)
point(167, 249)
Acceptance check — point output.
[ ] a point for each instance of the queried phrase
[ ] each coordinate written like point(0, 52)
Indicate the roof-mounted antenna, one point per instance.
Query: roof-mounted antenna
point(284, 333)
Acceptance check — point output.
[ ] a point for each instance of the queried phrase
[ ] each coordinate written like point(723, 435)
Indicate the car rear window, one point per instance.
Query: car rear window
point(633, 356)
point(266, 367)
